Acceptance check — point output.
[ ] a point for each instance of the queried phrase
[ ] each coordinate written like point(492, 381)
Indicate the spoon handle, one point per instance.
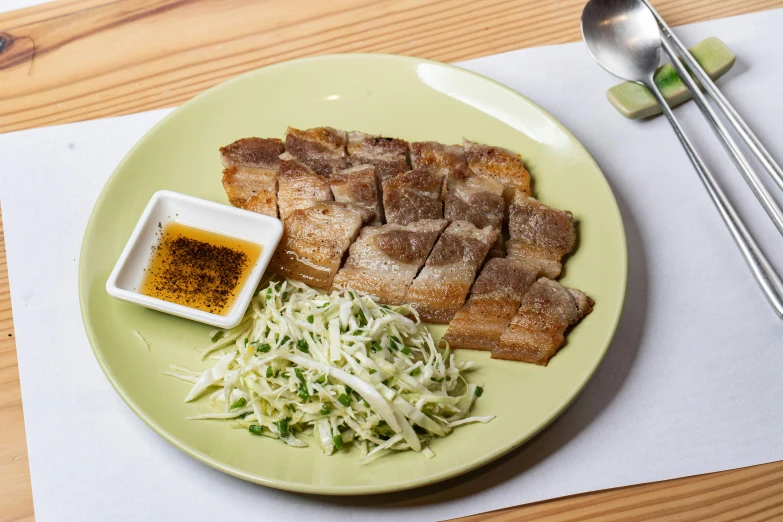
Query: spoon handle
point(760, 267)
point(737, 156)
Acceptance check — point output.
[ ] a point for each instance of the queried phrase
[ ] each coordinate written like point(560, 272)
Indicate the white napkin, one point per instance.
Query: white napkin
point(691, 384)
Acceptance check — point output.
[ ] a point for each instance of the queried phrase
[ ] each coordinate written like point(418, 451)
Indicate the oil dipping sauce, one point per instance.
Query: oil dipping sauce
point(197, 268)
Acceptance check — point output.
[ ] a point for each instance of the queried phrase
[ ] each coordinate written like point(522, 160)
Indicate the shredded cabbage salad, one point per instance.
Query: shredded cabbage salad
point(338, 367)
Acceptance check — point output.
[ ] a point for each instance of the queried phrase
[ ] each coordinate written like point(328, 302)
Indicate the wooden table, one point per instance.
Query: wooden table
point(73, 60)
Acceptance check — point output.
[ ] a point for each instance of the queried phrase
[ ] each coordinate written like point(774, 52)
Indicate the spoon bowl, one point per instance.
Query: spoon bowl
point(623, 37)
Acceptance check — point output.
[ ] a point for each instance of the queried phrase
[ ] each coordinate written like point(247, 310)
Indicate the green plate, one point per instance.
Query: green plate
point(391, 95)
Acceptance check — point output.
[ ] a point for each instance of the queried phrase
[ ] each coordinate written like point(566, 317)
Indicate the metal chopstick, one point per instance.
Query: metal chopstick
point(739, 125)
point(773, 210)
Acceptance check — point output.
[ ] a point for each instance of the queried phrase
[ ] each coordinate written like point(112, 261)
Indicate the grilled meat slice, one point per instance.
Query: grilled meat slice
point(477, 199)
point(539, 234)
point(494, 299)
point(359, 185)
point(251, 170)
point(252, 152)
point(322, 149)
point(441, 287)
point(299, 187)
point(244, 183)
point(314, 241)
point(389, 156)
point(384, 260)
point(500, 164)
point(446, 160)
point(412, 196)
point(537, 331)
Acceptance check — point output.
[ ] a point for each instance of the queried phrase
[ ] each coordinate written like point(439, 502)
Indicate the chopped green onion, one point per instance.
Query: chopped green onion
point(373, 370)
point(285, 340)
point(240, 403)
point(263, 348)
point(366, 404)
point(293, 408)
point(338, 441)
point(303, 393)
point(479, 391)
point(363, 318)
point(321, 379)
point(301, 344)
point(285, 295)
point(310, 319)
point(415, 372)
point(375, 347)
point(269, 372)
point(344, 399)
point(282, 427)
point(406, 350)
point(325, 409)
point(255, 429)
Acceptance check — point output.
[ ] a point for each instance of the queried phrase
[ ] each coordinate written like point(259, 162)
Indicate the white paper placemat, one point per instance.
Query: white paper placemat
point(691, 384)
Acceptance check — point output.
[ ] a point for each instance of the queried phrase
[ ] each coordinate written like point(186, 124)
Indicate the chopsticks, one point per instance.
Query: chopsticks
point(747, 135)
point(677, 52)
point(763, 272)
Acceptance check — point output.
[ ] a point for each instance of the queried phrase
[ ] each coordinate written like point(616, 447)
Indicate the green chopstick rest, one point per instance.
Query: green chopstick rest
point(635, 102)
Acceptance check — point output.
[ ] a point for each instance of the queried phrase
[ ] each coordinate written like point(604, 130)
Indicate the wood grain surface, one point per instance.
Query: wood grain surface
point(78, 59)
point(72, 60)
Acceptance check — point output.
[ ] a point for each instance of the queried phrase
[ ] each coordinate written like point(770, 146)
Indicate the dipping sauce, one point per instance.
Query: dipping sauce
point(198, 268)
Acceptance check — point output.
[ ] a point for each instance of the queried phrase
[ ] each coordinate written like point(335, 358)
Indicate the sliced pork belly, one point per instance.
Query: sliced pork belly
point(299, 187)
point(478, 200)
point(494, 299)
point(384, 260)
point(389, 156)
point(359, 185)
point(322, 149)
point(444, 282)
point(537, 331)
point(251, 166)
point(263, 203)
point(539, 234)
point(245, 183)
point(445, 160)
point(500, 164)
point(412, 196)
point(314, 241)
point(252, 152)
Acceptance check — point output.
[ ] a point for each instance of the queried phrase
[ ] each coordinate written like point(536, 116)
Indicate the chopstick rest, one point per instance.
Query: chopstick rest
point(635, 102)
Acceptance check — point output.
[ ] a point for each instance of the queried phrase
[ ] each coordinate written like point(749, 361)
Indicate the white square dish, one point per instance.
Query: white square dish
point(165, 207)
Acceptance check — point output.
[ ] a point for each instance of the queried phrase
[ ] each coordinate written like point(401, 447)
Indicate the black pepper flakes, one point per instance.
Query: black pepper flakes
point(194, 273)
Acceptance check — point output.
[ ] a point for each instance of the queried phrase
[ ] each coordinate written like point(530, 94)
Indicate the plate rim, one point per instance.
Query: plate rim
point(332, 490)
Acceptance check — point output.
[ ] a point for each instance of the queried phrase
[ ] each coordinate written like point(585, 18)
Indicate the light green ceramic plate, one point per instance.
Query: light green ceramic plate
point(390, 95)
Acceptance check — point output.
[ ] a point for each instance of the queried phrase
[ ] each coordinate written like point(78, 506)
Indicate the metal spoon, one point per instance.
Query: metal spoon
point(624, 38)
